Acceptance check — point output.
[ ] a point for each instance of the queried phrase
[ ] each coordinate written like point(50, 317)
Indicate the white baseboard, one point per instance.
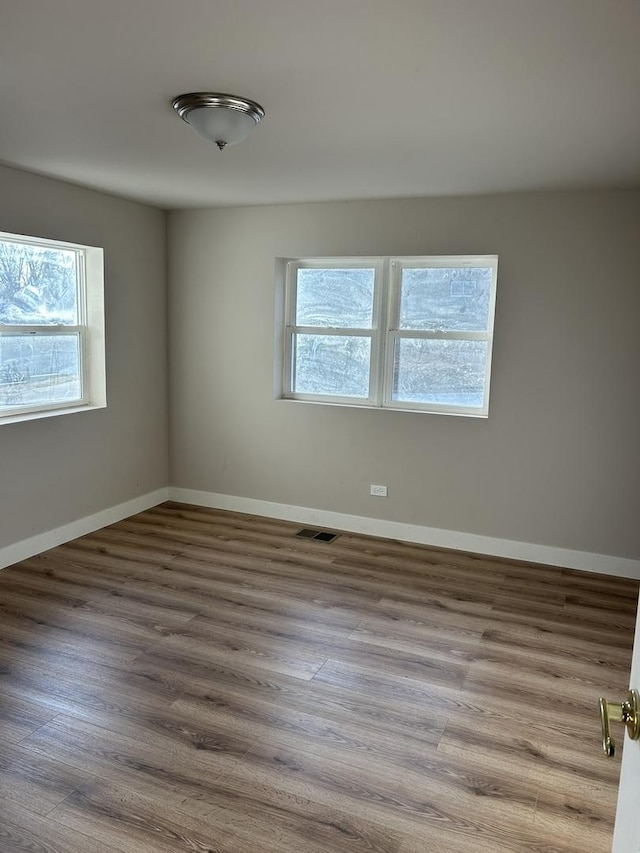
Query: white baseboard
point(26, 548)
point(436, 537)
point(507, 548)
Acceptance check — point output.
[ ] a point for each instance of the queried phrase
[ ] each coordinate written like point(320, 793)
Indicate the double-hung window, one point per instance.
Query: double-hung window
point(400, 333)
point(51, 328)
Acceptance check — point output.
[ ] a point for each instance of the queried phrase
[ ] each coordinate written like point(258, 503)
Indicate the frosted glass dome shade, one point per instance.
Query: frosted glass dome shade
point(223, 119)
point(221, 124)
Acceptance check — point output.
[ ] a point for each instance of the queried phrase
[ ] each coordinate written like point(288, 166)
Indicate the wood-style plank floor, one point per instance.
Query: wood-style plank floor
point(197, 680)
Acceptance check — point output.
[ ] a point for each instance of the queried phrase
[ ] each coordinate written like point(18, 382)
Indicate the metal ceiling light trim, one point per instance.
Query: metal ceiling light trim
point(185, 104)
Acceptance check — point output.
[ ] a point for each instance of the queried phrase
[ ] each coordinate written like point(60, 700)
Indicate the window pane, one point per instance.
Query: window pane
point(37, 285)
point(437, 371)
point(36, 370)
point(335, 365)
point(447, 299)
point(341, 299)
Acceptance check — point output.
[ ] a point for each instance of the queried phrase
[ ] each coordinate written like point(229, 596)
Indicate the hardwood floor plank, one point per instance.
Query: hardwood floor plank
point(23, 831)
point(561, 624)
point(500, 690)
point(185, 759)
point(53, 573)
point(49, 635)
point(134, 823)
point(62, 686)
point(583, 817)
point(301, 653)
point(332, 823)
point(34, 782)
point(19, 717)
point(197, 677)
point(301, 660)
point(520, 747)
point(424, 806)
point(260, 721)
point(539, 642)
point(415, 694)
point(455, 645)
point(281, 612)
point(514, 649)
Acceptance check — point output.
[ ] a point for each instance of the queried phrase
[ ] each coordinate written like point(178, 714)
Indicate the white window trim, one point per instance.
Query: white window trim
point(91, 331)
point(383, 333)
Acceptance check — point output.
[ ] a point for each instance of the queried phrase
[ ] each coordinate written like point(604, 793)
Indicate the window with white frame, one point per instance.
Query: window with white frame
point(52, 358)
point(402, 333)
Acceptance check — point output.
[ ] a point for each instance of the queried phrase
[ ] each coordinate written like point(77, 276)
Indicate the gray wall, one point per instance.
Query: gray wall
point(557, 461)
point(57, 470)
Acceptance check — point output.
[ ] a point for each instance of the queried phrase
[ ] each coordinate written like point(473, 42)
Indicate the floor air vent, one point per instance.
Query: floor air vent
point(318, 535)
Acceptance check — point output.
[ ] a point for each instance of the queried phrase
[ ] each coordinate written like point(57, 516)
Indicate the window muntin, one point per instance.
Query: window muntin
point(419, 329)
point(51, 327)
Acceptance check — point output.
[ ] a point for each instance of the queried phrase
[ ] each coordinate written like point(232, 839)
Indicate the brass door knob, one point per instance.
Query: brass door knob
point(627, 712)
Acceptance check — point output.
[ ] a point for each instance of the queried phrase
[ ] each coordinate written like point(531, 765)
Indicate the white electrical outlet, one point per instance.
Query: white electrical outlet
point(379, 491)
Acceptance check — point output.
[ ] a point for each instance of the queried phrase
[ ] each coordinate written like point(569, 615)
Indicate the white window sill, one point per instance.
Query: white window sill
point(50, 413)
point(373, 408)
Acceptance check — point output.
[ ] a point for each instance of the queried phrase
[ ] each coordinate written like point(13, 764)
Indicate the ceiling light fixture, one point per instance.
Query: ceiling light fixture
point(223, 119)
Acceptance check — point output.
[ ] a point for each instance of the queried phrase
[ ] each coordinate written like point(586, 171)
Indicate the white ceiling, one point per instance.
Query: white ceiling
point(363, 98)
